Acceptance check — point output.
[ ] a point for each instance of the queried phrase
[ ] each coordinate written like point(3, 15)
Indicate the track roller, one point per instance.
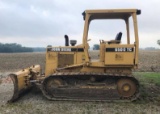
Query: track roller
point(126, 87)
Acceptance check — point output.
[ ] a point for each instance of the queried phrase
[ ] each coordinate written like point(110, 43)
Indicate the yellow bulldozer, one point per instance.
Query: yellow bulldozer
point(71, 74)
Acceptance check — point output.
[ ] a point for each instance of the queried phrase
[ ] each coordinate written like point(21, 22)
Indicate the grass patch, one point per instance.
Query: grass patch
point(149, 86)
point(148, 77)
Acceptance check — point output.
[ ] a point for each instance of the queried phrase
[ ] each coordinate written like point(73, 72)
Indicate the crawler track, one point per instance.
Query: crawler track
point(79, 86)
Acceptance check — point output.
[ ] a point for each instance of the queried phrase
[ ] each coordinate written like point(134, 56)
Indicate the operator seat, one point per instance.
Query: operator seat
point(119, 36)
point(117, 39)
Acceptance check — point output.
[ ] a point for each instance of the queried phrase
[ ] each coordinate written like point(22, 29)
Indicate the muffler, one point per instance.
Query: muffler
point(21, 81)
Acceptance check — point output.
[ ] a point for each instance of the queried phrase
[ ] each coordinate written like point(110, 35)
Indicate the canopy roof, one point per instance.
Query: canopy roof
point(111, 13)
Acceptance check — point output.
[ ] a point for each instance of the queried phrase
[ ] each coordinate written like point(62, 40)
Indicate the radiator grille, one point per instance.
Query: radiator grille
point(65, 59)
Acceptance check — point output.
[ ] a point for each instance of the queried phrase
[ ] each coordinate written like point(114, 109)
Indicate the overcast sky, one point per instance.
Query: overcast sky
point(38, 23)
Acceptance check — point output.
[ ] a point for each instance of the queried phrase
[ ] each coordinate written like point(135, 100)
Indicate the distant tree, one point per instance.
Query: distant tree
point(96, 47)
point(158, 42)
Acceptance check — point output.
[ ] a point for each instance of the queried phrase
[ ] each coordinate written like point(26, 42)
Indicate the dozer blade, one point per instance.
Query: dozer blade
point(21, 81)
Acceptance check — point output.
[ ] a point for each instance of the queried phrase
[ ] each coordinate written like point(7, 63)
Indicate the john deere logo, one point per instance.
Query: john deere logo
point(119, 57)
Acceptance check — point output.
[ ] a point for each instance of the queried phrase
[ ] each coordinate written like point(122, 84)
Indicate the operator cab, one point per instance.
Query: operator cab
point(113, 52)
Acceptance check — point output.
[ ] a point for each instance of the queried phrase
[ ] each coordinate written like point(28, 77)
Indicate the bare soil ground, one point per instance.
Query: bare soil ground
point(34, 102)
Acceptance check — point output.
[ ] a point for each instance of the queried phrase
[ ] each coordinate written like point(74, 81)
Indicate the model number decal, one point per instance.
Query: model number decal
point(120, 49)
point(123, 49)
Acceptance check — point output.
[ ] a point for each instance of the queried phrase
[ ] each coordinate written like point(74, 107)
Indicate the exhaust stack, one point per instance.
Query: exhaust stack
point(66, 40)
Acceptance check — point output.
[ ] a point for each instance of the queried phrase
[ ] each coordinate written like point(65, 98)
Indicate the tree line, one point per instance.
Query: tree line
point(14, 47)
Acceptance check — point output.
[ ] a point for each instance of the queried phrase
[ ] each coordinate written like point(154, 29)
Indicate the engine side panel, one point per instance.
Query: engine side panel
point(59, 57)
